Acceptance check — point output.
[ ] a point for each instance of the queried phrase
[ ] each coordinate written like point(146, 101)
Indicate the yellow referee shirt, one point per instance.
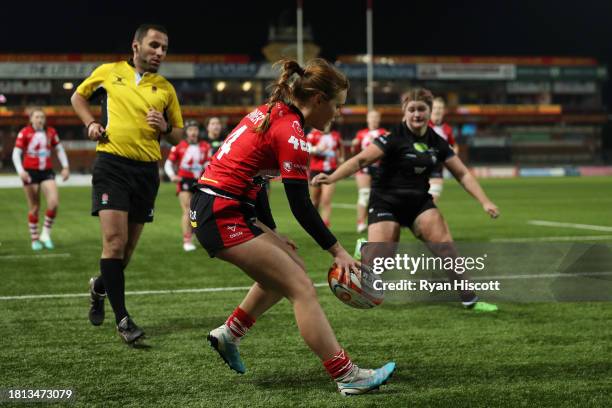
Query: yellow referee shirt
point(127, 98)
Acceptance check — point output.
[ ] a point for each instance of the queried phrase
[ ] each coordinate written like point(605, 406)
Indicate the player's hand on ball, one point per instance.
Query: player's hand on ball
point(491, 209)
point(346, 263)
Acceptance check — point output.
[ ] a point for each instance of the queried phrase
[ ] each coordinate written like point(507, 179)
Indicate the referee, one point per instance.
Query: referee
point(139, 106)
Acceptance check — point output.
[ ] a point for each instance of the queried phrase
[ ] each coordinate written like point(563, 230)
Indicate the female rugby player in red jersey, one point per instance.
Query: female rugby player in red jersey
point(436, 122)
point(364, 176)
point(232, 219)
point(190, 157)
point(35, 143)
point(325, 154)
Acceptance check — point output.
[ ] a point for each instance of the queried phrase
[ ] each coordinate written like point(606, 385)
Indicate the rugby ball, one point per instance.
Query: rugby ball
point(356, 293)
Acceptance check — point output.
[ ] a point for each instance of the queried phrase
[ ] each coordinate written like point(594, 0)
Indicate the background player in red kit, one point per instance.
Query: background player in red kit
point(190, 156)
point(35, 142)
point(232, 218)
point(363, 177)
point(445, 131)
point(325, 154)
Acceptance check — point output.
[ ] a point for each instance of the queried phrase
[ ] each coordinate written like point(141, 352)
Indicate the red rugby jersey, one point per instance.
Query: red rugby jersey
point(37, 146)
point(366, 136)
point(190, 158)
point(281, 150)
point(328, 145)
point(445, 131)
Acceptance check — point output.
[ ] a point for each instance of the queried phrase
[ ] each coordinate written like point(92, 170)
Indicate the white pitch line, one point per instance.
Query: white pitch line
point(344, 206)
point(570, 225)
point(553, 239)
point(318, 285)
point(138, 293)
point(24, 256)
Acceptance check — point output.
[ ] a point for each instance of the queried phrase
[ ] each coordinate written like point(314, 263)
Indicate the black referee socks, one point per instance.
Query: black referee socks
point(114, 283)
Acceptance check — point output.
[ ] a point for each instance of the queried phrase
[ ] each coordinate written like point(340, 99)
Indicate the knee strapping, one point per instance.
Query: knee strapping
point(436, 189)
point(364, 197)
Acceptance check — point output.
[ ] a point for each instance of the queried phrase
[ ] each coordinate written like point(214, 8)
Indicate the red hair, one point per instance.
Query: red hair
point(317, 77)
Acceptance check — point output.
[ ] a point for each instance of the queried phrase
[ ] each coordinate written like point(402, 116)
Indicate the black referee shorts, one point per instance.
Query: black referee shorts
point(400, 209)
point(125, 185)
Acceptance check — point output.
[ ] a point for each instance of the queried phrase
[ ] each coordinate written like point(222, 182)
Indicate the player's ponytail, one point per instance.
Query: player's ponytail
point(281, 90)
point(317, 77)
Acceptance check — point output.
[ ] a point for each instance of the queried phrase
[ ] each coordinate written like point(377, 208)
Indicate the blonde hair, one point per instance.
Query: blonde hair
point(317, 77)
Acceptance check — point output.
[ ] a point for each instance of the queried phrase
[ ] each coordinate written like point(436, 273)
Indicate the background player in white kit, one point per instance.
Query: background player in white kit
point(35, 143)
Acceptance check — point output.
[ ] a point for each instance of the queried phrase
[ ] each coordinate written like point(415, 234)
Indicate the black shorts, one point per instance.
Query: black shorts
point(400, 209)
point(220, 222)
point(438, 171)
point(125, 185)
point(266, 185)
point(186, 184)
point(313, 173)
point(38, 176)
point(373, 171)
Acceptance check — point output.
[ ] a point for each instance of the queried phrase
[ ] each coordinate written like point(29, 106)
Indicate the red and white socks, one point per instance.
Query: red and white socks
point(49, 220)
point(238, 323)
point(33, 225)
point(340, 367)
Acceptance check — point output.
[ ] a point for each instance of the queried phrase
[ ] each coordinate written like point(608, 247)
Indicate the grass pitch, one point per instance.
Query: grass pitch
point(540, 354)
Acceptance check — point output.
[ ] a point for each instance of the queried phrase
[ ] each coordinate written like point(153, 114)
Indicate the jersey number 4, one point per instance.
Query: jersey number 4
point(297, 143)
point(225, 148)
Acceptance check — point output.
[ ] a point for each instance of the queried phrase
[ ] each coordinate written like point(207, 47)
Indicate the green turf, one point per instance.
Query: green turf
point(541, 354)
